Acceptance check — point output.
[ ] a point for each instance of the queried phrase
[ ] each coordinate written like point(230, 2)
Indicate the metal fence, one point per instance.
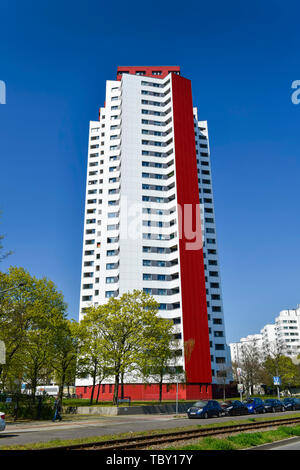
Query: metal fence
point(18, 405)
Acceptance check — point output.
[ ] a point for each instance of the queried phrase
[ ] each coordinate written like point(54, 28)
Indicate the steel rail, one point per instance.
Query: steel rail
point(141, 442)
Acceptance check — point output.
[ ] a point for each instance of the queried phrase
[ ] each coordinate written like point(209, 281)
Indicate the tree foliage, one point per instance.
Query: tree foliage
point(128, 328)
point(28, 317)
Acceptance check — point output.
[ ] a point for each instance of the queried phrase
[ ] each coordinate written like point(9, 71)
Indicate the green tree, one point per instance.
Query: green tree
point(65, 346)
point(124, 326)
point(92, 361)
point(282, 366)
point(23, 312)
point(162, 355)
point(36, 357)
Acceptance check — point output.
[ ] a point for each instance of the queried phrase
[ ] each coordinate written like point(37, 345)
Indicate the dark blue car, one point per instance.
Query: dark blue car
point(291, 404)
point(272, 405)
point(255, 405)
point(234, 407)
point(205, 409)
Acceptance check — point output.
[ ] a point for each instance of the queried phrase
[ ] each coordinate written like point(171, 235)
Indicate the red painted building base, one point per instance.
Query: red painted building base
point(149, 392)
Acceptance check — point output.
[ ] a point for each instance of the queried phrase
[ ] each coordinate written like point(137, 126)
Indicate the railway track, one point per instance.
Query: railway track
point(142, 442)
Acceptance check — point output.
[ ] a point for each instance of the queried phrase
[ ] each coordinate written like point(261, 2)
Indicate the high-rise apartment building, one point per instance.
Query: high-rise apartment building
point(150, 221)
point(287, 327)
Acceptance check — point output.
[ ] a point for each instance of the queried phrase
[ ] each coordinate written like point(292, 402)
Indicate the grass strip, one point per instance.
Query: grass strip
point(242, 440)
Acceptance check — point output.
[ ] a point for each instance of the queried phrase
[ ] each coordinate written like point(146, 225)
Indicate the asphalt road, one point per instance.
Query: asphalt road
point(18, 434)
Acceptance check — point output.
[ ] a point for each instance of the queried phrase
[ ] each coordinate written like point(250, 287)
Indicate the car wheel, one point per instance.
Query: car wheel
point(220, 414)
point(205, 415)
point(273, 410)
point(264, 410)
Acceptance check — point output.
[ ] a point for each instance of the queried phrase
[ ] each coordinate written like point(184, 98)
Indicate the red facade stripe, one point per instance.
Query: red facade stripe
point(193, 290)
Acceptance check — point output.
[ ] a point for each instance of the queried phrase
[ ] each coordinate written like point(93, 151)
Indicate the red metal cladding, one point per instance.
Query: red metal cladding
point(193, 290)
point(154, 71)
point(148, 392)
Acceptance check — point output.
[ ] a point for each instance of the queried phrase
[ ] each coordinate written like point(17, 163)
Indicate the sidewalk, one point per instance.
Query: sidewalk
point(66, 420)
point(79, 421)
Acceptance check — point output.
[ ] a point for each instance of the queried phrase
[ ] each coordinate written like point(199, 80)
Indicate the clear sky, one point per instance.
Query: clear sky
point(242, 58)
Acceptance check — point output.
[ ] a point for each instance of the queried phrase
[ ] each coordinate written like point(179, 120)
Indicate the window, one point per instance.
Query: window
point(220, 360)
point(214, 285)
point(109, 293)
point(111, 265)
point(218, 334)
point(216, 309)
point(162, 307)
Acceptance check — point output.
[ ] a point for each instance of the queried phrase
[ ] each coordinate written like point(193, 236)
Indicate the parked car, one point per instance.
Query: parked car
point(255, 405)
point(2, 421)
point(234, 407)
point(291, 404)
point(205, 409)
point(272, 405)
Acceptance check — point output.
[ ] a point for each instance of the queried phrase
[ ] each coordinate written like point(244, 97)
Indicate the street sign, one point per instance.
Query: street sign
point(240, 387)
point(276, 380)
point(239, 371)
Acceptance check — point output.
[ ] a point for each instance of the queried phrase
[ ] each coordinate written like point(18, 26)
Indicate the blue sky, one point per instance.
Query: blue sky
point(242, 58)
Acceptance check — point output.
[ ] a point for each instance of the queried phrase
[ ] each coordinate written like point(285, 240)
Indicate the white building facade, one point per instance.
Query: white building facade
point(149, 184)
point(281, 337)
point(287, 328)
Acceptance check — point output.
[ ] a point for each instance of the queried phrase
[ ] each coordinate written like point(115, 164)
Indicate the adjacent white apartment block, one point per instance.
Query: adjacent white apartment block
point(287, 327)
point(251, 341)
point(281, 337)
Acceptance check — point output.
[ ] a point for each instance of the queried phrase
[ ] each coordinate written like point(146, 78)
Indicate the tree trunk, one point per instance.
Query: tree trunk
point(61, 386)
point(160, 388)
point(122, 385)
point(94, 384)
point(98, 391)
point(33, 389)
point(116, 390)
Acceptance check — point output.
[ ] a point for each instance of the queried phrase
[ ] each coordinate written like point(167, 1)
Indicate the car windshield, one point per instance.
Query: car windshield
point(269, 400)
point(201, 404)
point(249, 401)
